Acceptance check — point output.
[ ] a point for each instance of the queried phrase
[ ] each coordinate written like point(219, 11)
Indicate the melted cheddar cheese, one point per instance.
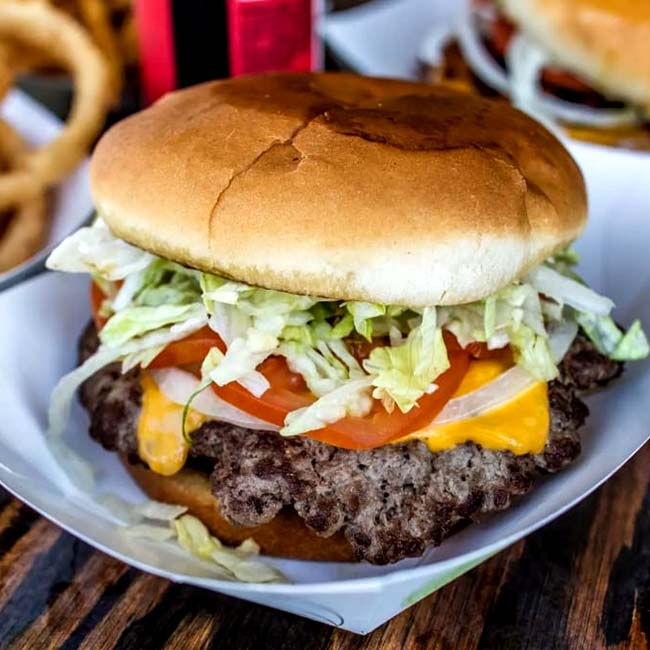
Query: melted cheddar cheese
point(160, 432)
point(519, 426)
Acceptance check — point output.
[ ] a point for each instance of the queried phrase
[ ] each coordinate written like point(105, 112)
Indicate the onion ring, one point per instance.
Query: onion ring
point(27, 228)
point(6, 76)
point(51, 31)
point(96, 17)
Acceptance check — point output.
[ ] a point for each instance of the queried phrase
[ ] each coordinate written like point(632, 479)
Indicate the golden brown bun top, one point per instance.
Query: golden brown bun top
point(606, 42)
point(341, 186)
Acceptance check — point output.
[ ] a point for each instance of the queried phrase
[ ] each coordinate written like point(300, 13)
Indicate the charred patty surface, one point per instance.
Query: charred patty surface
point(113, 401)
point(391, 502)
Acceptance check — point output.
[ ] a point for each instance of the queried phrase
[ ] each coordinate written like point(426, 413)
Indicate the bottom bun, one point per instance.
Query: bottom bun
point(284, 536)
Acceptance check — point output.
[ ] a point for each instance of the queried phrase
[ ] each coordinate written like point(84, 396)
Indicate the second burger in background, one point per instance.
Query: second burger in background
point(585, 63)
point(337, 314)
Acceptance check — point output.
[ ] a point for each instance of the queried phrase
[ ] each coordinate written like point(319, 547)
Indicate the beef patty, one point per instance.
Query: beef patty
point(391, 502)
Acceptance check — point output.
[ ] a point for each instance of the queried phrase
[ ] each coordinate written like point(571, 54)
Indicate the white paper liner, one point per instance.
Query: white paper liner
point(38, 332)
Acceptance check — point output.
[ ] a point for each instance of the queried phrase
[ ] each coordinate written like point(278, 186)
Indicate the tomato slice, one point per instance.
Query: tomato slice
point(380, 427)
point(288, 392)
point(481, 351)
point(557, 78)
point(501, 33)
point(190, 350)
point(96, 300)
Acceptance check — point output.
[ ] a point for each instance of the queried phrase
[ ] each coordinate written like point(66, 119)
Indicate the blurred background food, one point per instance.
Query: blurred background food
point(37, 37)
point(110, 24)
point(584, 64)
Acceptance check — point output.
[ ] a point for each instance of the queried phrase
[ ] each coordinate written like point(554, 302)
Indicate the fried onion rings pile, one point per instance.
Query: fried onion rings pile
point(32, 32)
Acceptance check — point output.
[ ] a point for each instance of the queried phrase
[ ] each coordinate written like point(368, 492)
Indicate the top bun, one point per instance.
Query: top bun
point(606, 42)
point(341, 187)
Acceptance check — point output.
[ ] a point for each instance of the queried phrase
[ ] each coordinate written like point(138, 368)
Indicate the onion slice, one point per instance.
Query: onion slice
point(503, 389)
point(475, 52)
point(178, 386)
point(508, 385)
point(561, 337)
point(433, 45)
point(525, 61)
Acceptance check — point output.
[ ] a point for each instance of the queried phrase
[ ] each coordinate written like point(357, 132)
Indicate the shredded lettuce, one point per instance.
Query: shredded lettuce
point(270, 311)
point(136, 321)
point(195, 538)
point(591, 311)
point(142, 358)
point(150, 532)
point(490, 317)
point(97, 251)
point(568, 256)
point(533, 352)
point(402, 374)
point(513, 316)
point(565, 290)
point(159, 511)
point(151, 302)
point(320, 374)
point(242, 358)
point(362, 315)
point(633, 345)
point(351, 398)
point(78, 470)
point(64, 391)
point(344, 327)
point(611, 341)
point(192, 536)
point(563, 262)
point(602, 330)
point(216, 289)
point(165, 283)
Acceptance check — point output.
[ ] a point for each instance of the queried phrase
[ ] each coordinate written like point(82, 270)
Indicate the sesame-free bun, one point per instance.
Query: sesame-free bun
point(341, 186)
point(284, 536)
point(606, 42)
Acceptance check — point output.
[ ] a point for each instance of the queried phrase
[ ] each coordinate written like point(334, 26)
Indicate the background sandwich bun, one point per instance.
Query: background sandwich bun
point(607, 42)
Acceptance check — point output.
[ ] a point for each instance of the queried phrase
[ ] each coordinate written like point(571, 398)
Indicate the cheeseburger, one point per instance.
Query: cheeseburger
point(582, 63)
point(337, 314)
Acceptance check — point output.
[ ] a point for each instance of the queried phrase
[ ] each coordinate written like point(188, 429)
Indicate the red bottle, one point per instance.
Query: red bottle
point(183, 42)
point(273, 35)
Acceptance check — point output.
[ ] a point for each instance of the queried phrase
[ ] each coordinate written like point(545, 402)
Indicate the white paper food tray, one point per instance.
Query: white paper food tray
point(43, 317)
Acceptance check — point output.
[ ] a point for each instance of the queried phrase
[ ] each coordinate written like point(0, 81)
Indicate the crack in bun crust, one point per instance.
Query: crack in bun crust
point(383, 191)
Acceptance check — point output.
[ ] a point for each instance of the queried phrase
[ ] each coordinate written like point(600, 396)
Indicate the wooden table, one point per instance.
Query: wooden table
point(581, 583)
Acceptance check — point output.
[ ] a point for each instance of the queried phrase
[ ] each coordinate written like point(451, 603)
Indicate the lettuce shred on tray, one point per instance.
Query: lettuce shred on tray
point(162, 522)
point(151, 301)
